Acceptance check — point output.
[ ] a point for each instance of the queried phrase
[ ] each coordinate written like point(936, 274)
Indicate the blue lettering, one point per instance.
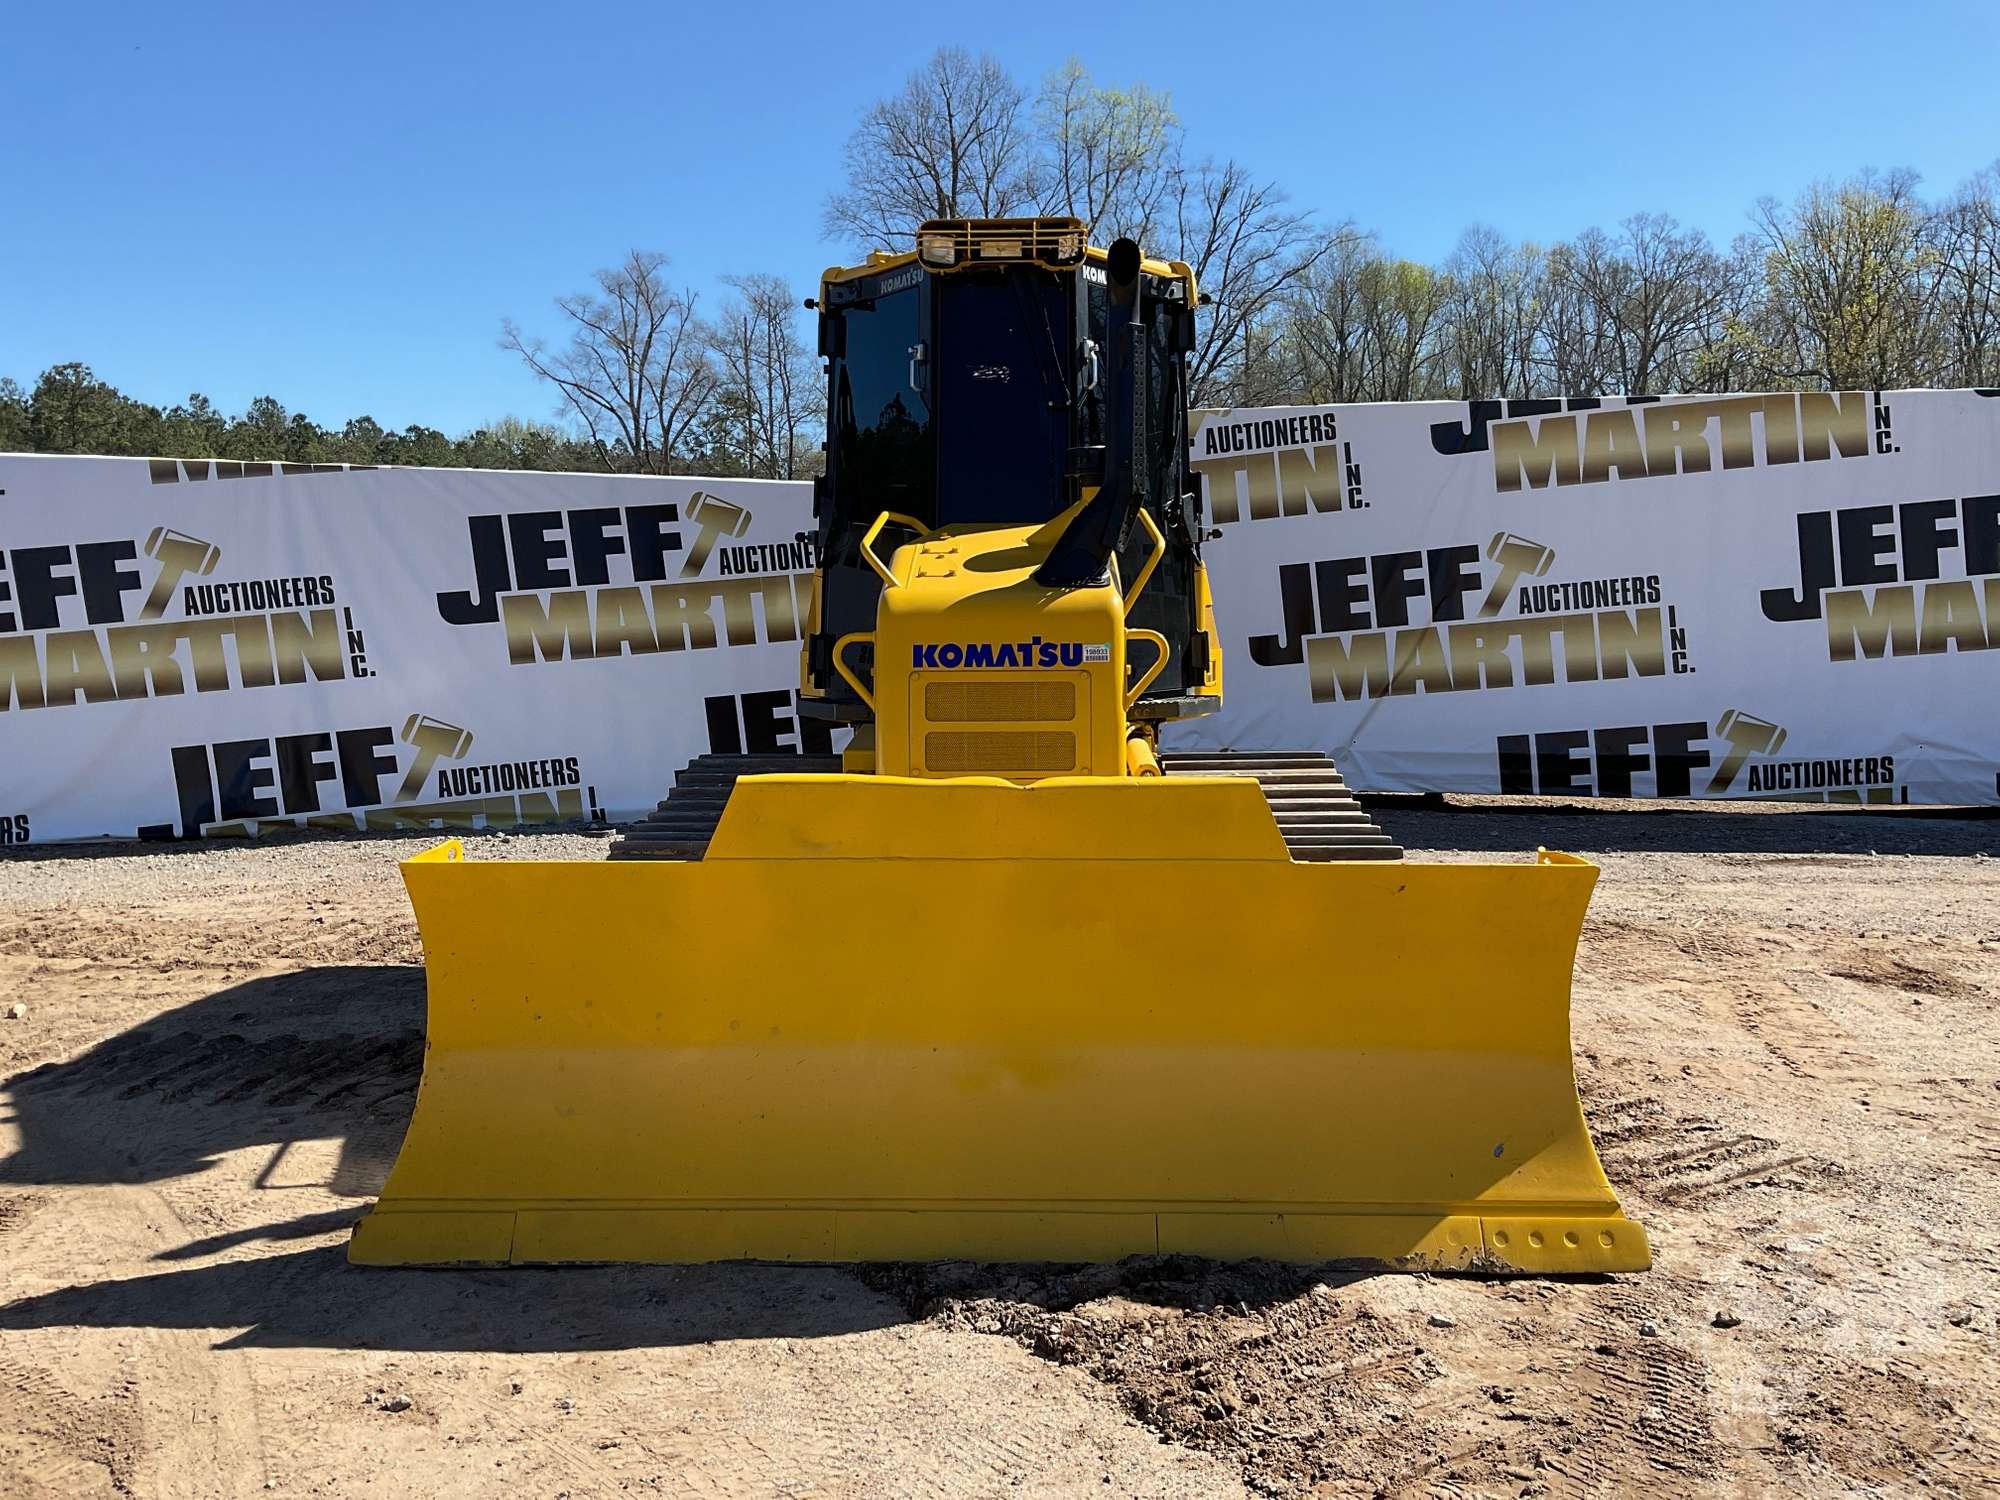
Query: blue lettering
point(923, 656)
point(1072, 653)
point(979, 654)
point(951, 654)
point(1045, 654)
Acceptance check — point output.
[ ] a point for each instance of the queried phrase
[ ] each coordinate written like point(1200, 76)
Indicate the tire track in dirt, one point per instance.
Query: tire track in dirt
point(178, 1423)
point(1316, 1387)
point(1692, 1159)
point(1883, 1425)
point(56, 1442)
point(15, 1209)
point(1651, 1409)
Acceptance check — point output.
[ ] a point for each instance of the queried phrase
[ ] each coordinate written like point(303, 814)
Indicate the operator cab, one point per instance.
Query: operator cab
point(965, 387)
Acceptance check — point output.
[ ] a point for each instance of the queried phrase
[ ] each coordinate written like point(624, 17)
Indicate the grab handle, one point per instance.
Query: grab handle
point(868, 543)
point(840, 663)
point(1159, 645)
point(1159, 551)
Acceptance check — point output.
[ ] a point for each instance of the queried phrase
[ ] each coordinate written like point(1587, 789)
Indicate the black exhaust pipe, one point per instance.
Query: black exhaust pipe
point(1082, 554)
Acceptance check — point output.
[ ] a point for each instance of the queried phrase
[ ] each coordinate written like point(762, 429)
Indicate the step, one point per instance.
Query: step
point(1245, 757)
point(693, 796)
point(628, 849)
point(776, 761)
point(1315, 812)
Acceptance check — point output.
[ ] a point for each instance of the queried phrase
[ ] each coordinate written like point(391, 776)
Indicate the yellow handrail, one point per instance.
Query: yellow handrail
point(1159, 643)
point(868, 546)
point(1159, 551)
point(840, 665)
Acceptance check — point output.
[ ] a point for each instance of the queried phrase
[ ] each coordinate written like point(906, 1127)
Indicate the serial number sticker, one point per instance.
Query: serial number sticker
point(1100, 652)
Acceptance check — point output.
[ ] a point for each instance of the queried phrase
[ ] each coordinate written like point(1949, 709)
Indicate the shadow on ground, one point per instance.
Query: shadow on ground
point(1420, 824)
point(320, 1053)
point(314, 1299)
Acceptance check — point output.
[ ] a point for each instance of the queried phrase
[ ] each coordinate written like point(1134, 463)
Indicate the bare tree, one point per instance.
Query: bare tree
point(1494, 312)
point(1849, 294)
point(1326, 321)
point(958, 141)
point(635, 371)
point(770, 398)
point(1965, 234)
point(1364, 327)
point(1111, 154)
point(1626, 313)
point(1247, 249)
point(1584, 291)
point(1675, 286)
point(1405, 300)
point(954, 143)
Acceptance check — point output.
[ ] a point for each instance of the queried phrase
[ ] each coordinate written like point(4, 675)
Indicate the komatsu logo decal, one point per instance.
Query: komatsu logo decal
point(1034, 652)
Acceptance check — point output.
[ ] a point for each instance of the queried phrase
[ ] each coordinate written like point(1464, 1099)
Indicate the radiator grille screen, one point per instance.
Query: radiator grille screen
point(999, 702)
point(1000, 750)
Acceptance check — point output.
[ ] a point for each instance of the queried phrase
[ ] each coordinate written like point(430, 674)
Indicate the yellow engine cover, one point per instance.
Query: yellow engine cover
point(901, 1019)
point(980, 670)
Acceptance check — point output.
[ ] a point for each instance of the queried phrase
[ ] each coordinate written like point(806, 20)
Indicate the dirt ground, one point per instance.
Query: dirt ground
point(1785, 1024)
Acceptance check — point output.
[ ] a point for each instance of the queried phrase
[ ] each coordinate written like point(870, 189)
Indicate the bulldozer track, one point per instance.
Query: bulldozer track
point(1317, 814)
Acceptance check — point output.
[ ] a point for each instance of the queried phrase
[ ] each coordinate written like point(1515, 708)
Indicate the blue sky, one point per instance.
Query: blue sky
point(337, 205)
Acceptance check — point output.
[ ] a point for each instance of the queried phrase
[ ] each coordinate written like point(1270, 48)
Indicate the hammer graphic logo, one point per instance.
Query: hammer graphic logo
point(1518, 558)
point(1748, 735)
point(432, 738)
point(178, 554)
point(717, 519)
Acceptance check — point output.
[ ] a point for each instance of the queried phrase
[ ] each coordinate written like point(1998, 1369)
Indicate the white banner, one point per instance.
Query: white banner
point(1784, 595)
point(1787, 595)
point(195, 647)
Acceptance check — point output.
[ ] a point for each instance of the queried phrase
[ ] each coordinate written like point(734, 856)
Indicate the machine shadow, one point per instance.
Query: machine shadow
point(1687, 828)
point(314, 1299)
point(306, 1056)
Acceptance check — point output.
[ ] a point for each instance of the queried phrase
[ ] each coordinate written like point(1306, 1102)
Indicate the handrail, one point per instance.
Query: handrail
point(868, 543)
point(1159, 643)
point(1159, 551)
point(839, 665)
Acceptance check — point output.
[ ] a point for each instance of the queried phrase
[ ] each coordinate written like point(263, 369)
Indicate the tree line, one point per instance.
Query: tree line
point(1851, 285)
point(1858, 284)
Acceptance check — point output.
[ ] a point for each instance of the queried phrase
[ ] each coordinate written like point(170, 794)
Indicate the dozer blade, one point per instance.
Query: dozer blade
point(888, 1020)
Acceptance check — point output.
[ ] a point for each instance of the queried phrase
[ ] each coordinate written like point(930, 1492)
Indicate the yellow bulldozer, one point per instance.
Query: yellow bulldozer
point(1003, 980)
